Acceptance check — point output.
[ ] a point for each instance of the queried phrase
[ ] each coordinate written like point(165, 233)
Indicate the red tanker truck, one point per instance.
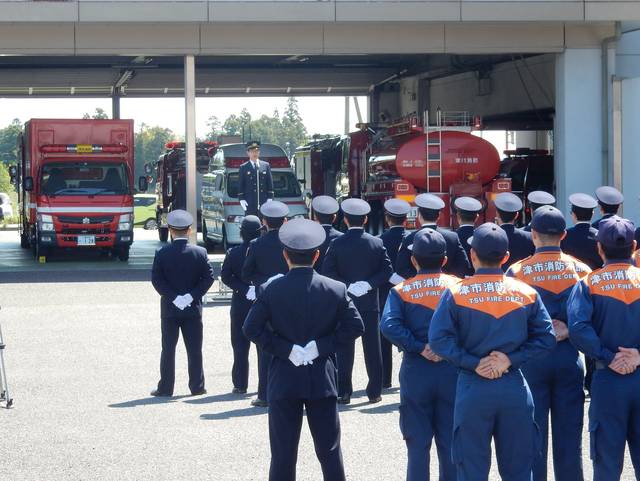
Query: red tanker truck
point(402, 160)
point(76, 185)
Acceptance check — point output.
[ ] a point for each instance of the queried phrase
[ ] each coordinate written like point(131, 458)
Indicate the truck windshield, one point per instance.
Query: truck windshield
point(285, 184)
point(84, 178)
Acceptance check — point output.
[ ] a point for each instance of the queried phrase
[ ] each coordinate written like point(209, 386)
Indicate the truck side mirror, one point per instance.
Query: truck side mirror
point(27, 184)
point(13, 173)
point(143, 183)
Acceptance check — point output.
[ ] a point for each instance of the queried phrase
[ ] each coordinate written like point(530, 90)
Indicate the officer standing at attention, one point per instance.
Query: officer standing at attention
point(429, 207)
point(488, 326)
point(181, 274)
point(264, 261)
point(556, 380)
point(396, 211)
point(467, 212)
point(537, 199)
point(255, 183)
point(302, 319)
point(609, 199)
point(360, 261)
point(508, 207)
point(427, 383)
point(580, 241)
point(604, 310)
point(243, 296)
point(324, 210)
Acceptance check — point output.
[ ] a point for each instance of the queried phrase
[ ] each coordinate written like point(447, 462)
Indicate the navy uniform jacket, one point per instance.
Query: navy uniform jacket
point(490, 312)
point(248, 185)
point(391, 239)
point(180, 268)
point(457, 261)
point(358, 256)
point(527, 228)
point(331, 234)
point(464, 233)
point(581, 243)
point(264, 259)
point(520, 244)
point(596, 223)
point(637, 237)
point(604, 310)
point(231, 275)
point(300, 307)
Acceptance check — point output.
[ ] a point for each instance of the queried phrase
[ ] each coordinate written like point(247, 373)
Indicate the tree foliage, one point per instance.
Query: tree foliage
point(149, 144)
point(99, 114)
point(9, 142)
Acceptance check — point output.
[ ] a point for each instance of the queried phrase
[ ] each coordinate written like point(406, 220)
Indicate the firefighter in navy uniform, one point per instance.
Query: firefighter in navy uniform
point(556, 380)
point(324, 210)
point(264, 261)
point(396, 211)
point(243, 296)
point(508, 208)
point(255, 183)
point(537, 199)
point(467, 212)
point(181, 274)
point(488, 326)
point(429, 207)
point(580, 241)
point(361, 262)
point(302, 320)
point(604, 310)
point(609, 199)
point(427, 383)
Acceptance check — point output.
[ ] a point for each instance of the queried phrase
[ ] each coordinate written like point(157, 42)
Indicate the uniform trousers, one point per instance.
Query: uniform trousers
point(614, 419)
point(556, 381)
point(264, 359)
point(372, 359)
point(427, 395)
point(386, 349)
point(239, 343)
point(500, 408)
point(285, 423)
point(192, 337)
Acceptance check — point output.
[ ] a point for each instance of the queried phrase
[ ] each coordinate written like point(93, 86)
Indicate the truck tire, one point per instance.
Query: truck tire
point(150, 224)
point(123, 253)
point(24, 240)
point(163, 234)
point(209, 244)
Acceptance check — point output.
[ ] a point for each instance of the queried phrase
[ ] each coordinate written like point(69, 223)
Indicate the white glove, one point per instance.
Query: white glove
point(251, 293)
point(180, 303)
point(271, 279)
point(188, 299)
point(311, 352)
point(396, 279)
point(244, 205)
point(355, 290)
point(297, 355)
point(366, 287)
point(269, 200)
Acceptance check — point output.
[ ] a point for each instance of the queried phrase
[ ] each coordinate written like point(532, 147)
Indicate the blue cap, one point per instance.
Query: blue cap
point(609, 195)
point(323, 204)
point(179, 219)
point(583, 201)
point(548, 220)
point(250, 224)
point(355, 206)
point(429, 201)
point(508, 202)
point(397, 207)
point(468, 204)
point(253, 144)
point(540, 197)
point(428, 243)
point(274, 209)
point(302, 235)
point(615, 231)
point(489, 241)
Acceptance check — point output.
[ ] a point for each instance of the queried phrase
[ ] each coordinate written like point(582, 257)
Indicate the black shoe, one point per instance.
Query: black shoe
point(374, 400)
point(259, 403)
point(158, 393)
point(344, 400)
point(237, 390)
point(386, 386)
point(199, 393)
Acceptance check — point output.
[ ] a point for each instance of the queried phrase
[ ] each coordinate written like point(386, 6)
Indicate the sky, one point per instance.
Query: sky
point(322, 115)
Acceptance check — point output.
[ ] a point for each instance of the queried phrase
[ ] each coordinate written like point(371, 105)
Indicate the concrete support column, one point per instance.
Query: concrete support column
point(578, 123)
point(190, 140)
point(631, 148)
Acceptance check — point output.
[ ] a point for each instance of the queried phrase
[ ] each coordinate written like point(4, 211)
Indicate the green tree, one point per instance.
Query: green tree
point(215, 128)
point(149, 144)
point(98, 114)
point(5, 180)
point(9, 142)
point(294, 131)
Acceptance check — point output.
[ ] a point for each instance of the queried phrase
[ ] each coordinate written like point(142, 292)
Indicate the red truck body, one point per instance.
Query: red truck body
point(77, 185)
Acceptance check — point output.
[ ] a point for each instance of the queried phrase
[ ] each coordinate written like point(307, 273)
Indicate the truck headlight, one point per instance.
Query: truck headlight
point(45, 222)
point(46, 226)
point(125, 222)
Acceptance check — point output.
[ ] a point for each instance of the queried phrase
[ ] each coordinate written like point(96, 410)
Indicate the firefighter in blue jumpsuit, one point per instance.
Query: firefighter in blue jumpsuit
point(537, 199)
point(467, 212)
point(508, 209)
point(604, 310)
point(427, 382)
point(302, 319)
point(609, 199)
point(488, 326)
point(323, 211)
point(396, 211)
point(556, 380)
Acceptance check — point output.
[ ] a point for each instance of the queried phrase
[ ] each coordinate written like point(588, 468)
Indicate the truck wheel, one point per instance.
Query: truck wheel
point(150, 224)
point(163, 234)
point(209, 244)
point(123, 254)
point(24, 240)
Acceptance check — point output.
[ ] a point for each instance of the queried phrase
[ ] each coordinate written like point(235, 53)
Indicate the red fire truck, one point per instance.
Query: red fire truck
point(76, 185)
point(402, 160)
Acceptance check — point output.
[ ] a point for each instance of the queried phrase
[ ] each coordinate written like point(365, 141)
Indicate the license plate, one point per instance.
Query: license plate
point(86, 240)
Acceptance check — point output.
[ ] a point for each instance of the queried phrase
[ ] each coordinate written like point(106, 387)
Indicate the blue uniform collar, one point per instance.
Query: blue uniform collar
point(301, 270)
point(180, 239)
point(619, 261)
point(424, 272)
point(489, 271)
point(548, 249)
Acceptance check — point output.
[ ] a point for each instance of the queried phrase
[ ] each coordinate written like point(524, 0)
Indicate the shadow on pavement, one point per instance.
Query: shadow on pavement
point(235, 413)
point(226, 397)
point(147, 401)
point(95, 275)
point(381, 409)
